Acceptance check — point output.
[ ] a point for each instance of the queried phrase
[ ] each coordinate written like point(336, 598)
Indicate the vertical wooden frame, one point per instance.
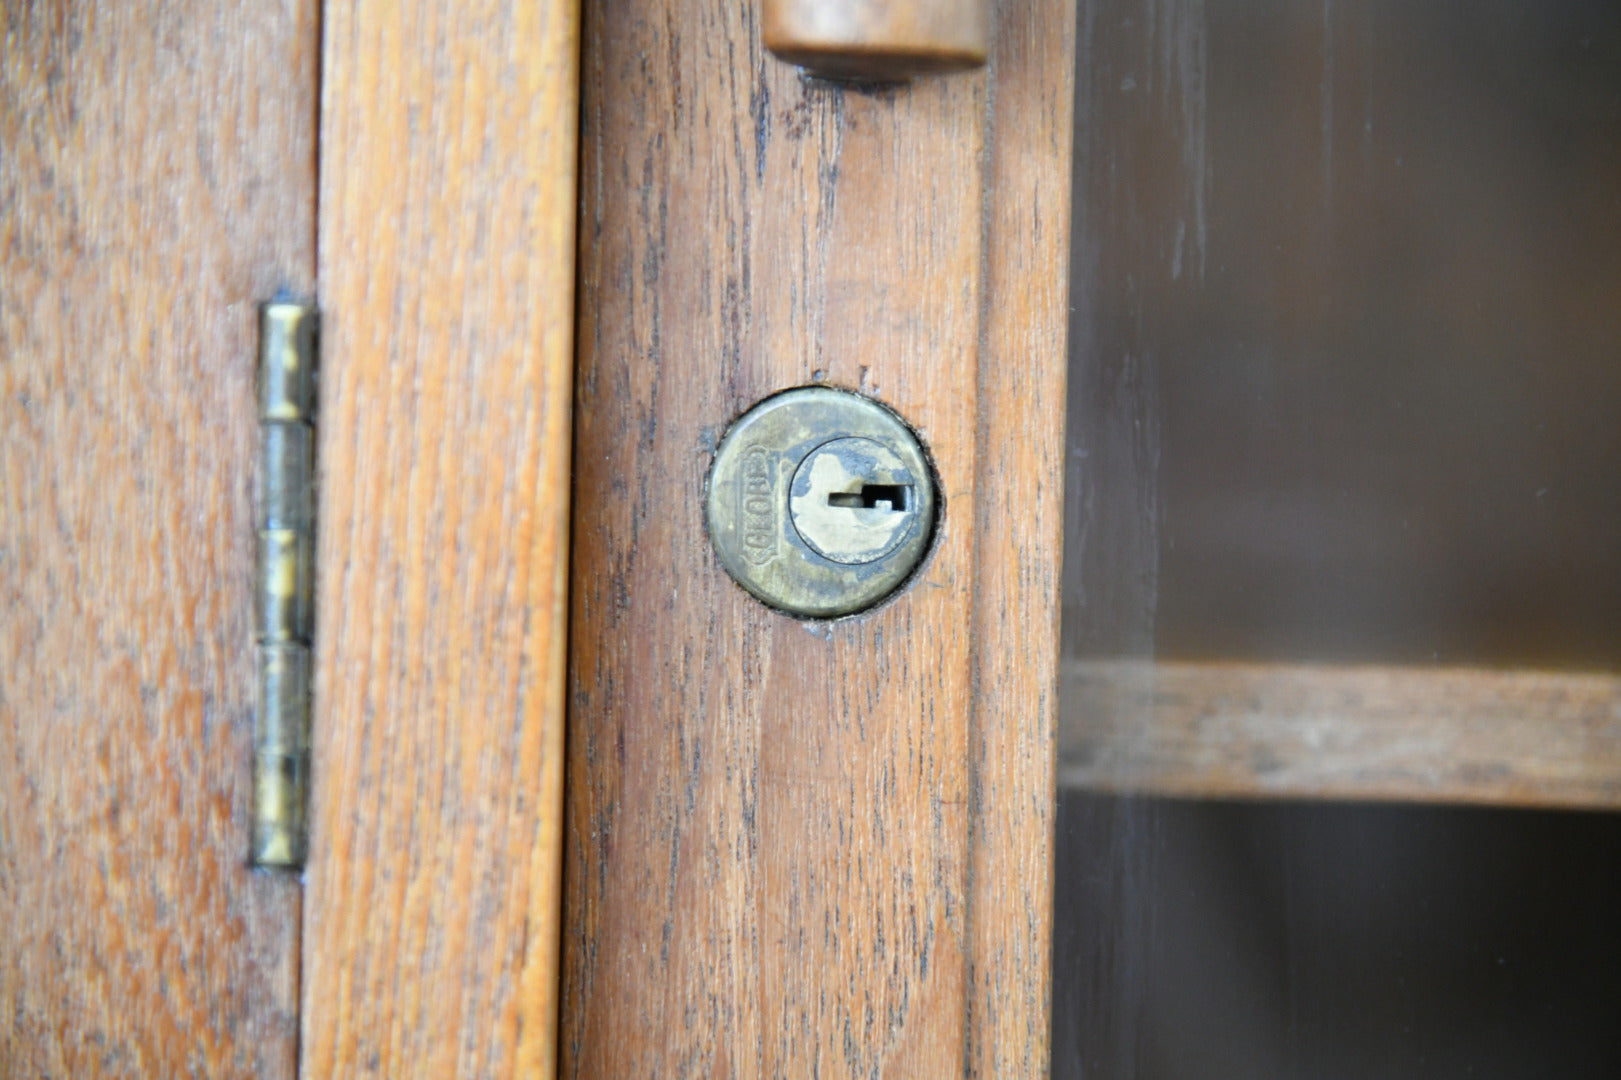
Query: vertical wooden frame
point(447, 239)
point(799, 848)
point(1019, 514)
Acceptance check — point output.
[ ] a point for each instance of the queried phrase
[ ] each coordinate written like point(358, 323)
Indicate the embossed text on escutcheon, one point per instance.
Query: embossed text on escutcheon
point(757, 507)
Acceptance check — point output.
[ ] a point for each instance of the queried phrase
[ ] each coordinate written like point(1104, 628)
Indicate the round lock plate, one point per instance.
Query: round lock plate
point(820, 502)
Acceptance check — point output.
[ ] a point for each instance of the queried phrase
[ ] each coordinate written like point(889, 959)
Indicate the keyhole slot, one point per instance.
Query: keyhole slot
point(872, 497)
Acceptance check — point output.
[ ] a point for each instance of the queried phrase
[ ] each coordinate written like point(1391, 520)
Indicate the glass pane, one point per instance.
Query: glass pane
point(1345, 389)
point(1346, 356)
point(1205, 941)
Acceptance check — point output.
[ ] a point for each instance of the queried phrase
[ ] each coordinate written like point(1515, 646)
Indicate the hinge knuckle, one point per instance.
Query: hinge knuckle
point(284, 603)
point(286, 476)
point(287, 362)
point(284, 585)
point(284, 694)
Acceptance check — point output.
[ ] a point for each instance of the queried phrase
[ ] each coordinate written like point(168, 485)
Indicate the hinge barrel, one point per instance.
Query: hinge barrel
point(285, 524)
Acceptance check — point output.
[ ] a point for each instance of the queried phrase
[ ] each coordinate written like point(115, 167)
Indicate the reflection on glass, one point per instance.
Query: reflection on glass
point(1345, 388)
point(1346, 358)
point(1225, 941)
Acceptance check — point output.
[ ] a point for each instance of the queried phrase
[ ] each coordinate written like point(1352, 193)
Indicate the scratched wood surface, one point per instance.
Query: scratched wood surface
point(1457, 735)
point(157, 179)
point(781, 834)
point(447, 270)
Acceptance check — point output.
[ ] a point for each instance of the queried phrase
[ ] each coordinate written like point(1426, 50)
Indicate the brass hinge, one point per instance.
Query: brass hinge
point(285, 522)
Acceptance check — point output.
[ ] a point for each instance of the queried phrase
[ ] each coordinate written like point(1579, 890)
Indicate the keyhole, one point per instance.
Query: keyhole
point(871, 497)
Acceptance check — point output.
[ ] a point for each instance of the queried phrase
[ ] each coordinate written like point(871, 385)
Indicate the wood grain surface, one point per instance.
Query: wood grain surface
point(1018, 520)
point(774, 827)
point(157, 179)
point(447, 239)
point(877, 39)
point(1302, 731)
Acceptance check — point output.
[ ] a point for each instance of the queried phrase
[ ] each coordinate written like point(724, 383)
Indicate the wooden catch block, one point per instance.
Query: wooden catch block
point(886, 40)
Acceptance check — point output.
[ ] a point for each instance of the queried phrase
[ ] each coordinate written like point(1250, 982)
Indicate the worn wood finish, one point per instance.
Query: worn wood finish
point(776, 828)
point(878, 39)
point(1019, 508)
point(1412, 734)
point(447, 238)
point(157, 179)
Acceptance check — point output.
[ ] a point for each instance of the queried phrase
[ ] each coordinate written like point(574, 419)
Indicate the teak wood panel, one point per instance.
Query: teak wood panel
point(157, 180)
point(813, 848)
point(1455, 735)
point(447, 273)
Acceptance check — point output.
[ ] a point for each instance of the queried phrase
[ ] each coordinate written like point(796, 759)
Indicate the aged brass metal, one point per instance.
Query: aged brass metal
point(820, 502)
point(284, 519)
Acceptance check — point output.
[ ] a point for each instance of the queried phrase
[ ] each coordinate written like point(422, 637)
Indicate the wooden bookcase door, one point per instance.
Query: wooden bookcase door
point(791, 848)
point(157, 180)
point(801, 848)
